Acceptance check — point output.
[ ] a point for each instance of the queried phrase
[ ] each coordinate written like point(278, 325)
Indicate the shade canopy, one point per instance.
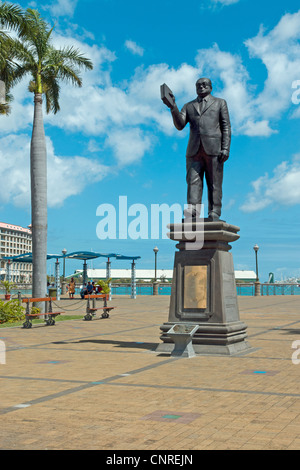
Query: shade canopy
point(120, 257)
point(26, 258)
point(76, 255)
point(85, 255)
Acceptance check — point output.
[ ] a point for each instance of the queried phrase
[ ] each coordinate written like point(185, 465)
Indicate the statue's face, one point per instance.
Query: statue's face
point(203, 87)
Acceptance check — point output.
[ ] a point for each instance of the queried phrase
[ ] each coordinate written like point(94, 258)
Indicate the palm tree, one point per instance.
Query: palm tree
point(35, 55)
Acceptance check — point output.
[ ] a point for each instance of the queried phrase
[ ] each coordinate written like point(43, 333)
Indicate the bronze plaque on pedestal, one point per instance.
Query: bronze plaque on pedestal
point(195, 287)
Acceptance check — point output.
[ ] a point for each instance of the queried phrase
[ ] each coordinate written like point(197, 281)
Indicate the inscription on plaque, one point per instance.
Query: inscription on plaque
point(195, 287)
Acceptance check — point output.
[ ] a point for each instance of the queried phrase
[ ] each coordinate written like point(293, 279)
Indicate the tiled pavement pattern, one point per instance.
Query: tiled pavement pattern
point(100, 385)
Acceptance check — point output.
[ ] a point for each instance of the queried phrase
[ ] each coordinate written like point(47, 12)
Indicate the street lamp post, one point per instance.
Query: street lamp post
point(64, 284)
point(57, 280)
point(155, 284)
point(64, 252)
point(133, 280)
point(257, 283)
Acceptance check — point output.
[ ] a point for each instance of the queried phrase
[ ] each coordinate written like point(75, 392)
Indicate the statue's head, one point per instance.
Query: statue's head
point(203, 87)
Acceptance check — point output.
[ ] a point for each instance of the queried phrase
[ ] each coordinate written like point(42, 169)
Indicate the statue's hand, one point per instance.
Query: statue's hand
point(224, 155)
point(169, 104)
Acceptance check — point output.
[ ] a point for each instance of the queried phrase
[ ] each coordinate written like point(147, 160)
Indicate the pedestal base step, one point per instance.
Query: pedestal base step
point(215, 339)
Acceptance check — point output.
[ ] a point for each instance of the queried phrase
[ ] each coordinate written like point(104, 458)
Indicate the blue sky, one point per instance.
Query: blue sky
point(114, 137)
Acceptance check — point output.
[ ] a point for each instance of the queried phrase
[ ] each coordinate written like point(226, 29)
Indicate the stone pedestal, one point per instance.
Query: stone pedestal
point(204, 290)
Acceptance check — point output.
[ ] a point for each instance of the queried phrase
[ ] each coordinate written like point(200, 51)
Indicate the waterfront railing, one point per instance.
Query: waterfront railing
point(268, 289)
point(243, 289)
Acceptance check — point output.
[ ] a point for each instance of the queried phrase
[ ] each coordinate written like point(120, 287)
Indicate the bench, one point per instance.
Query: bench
point(91, 311)
point(49, 316)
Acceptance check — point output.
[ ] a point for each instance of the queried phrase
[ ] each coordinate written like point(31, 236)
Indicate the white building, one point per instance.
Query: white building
point(15, 240)
point(164, 275)
point(245, 276)
point(140, 274)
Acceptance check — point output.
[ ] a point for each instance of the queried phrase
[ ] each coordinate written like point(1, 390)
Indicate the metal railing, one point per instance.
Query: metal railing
point(280, 289)
point(269, 289)
point(24, 288)
point(243, 289)
point(141, 289)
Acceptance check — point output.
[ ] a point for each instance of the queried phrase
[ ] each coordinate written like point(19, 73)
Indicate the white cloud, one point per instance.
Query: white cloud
point(281, 189)
point(229, 69)
point(129, 145)
point(229, 204)
point(254, 113)
point(257, 129)
point(101, 57)
point(279, 51)
point(225, 2)
point(134, 48)
point(93, 146)
point(21, 115)
point(65, 174)
point(62, 7)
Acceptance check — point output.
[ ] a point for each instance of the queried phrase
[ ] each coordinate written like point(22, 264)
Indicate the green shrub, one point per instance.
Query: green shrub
point(11, 311)
point(35, 310)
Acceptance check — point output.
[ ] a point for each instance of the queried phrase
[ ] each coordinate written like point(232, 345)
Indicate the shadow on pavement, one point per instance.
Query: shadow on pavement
point(118, 344)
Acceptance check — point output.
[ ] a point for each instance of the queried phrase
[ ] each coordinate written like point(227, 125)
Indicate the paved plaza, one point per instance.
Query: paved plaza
point(100, 384)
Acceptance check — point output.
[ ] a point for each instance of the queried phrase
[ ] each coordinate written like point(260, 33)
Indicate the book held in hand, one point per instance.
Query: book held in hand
point(167, 95)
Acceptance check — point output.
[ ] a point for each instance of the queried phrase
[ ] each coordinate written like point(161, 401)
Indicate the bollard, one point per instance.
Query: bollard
point(63, 288)
point(257, 288)
point(155, 288)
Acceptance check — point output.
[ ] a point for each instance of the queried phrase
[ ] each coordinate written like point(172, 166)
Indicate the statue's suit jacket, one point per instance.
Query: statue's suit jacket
point(211, 127)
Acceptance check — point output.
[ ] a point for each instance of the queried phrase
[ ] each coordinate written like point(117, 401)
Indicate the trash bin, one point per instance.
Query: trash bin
point(52, 292)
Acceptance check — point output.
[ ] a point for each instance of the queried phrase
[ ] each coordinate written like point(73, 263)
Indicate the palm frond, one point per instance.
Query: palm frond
point(15, 62)
point(37, 32)
point(11, 16)
point(5, 108)
point(65, 64)
point(65, 73)
point(74, 56)
point(51, 90)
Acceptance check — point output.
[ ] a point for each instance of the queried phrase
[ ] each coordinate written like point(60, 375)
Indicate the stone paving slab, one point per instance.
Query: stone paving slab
point(101, 385)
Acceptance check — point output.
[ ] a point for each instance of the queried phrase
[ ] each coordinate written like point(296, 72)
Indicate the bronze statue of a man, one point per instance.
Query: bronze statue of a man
point(208, 146)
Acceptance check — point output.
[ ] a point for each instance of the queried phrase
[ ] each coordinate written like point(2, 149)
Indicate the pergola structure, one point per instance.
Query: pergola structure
point(88, 255)
point(84, 256)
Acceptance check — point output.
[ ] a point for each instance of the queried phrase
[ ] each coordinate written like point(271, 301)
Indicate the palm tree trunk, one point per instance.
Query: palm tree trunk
point(2, 92)
point(38, 171)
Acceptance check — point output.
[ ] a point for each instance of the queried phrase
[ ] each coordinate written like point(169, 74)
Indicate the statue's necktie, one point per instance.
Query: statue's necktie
point(202, 105)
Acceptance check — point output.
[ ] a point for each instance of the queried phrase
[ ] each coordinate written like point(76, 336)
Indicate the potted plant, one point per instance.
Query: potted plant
point(104, 285)
point(8, 286)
